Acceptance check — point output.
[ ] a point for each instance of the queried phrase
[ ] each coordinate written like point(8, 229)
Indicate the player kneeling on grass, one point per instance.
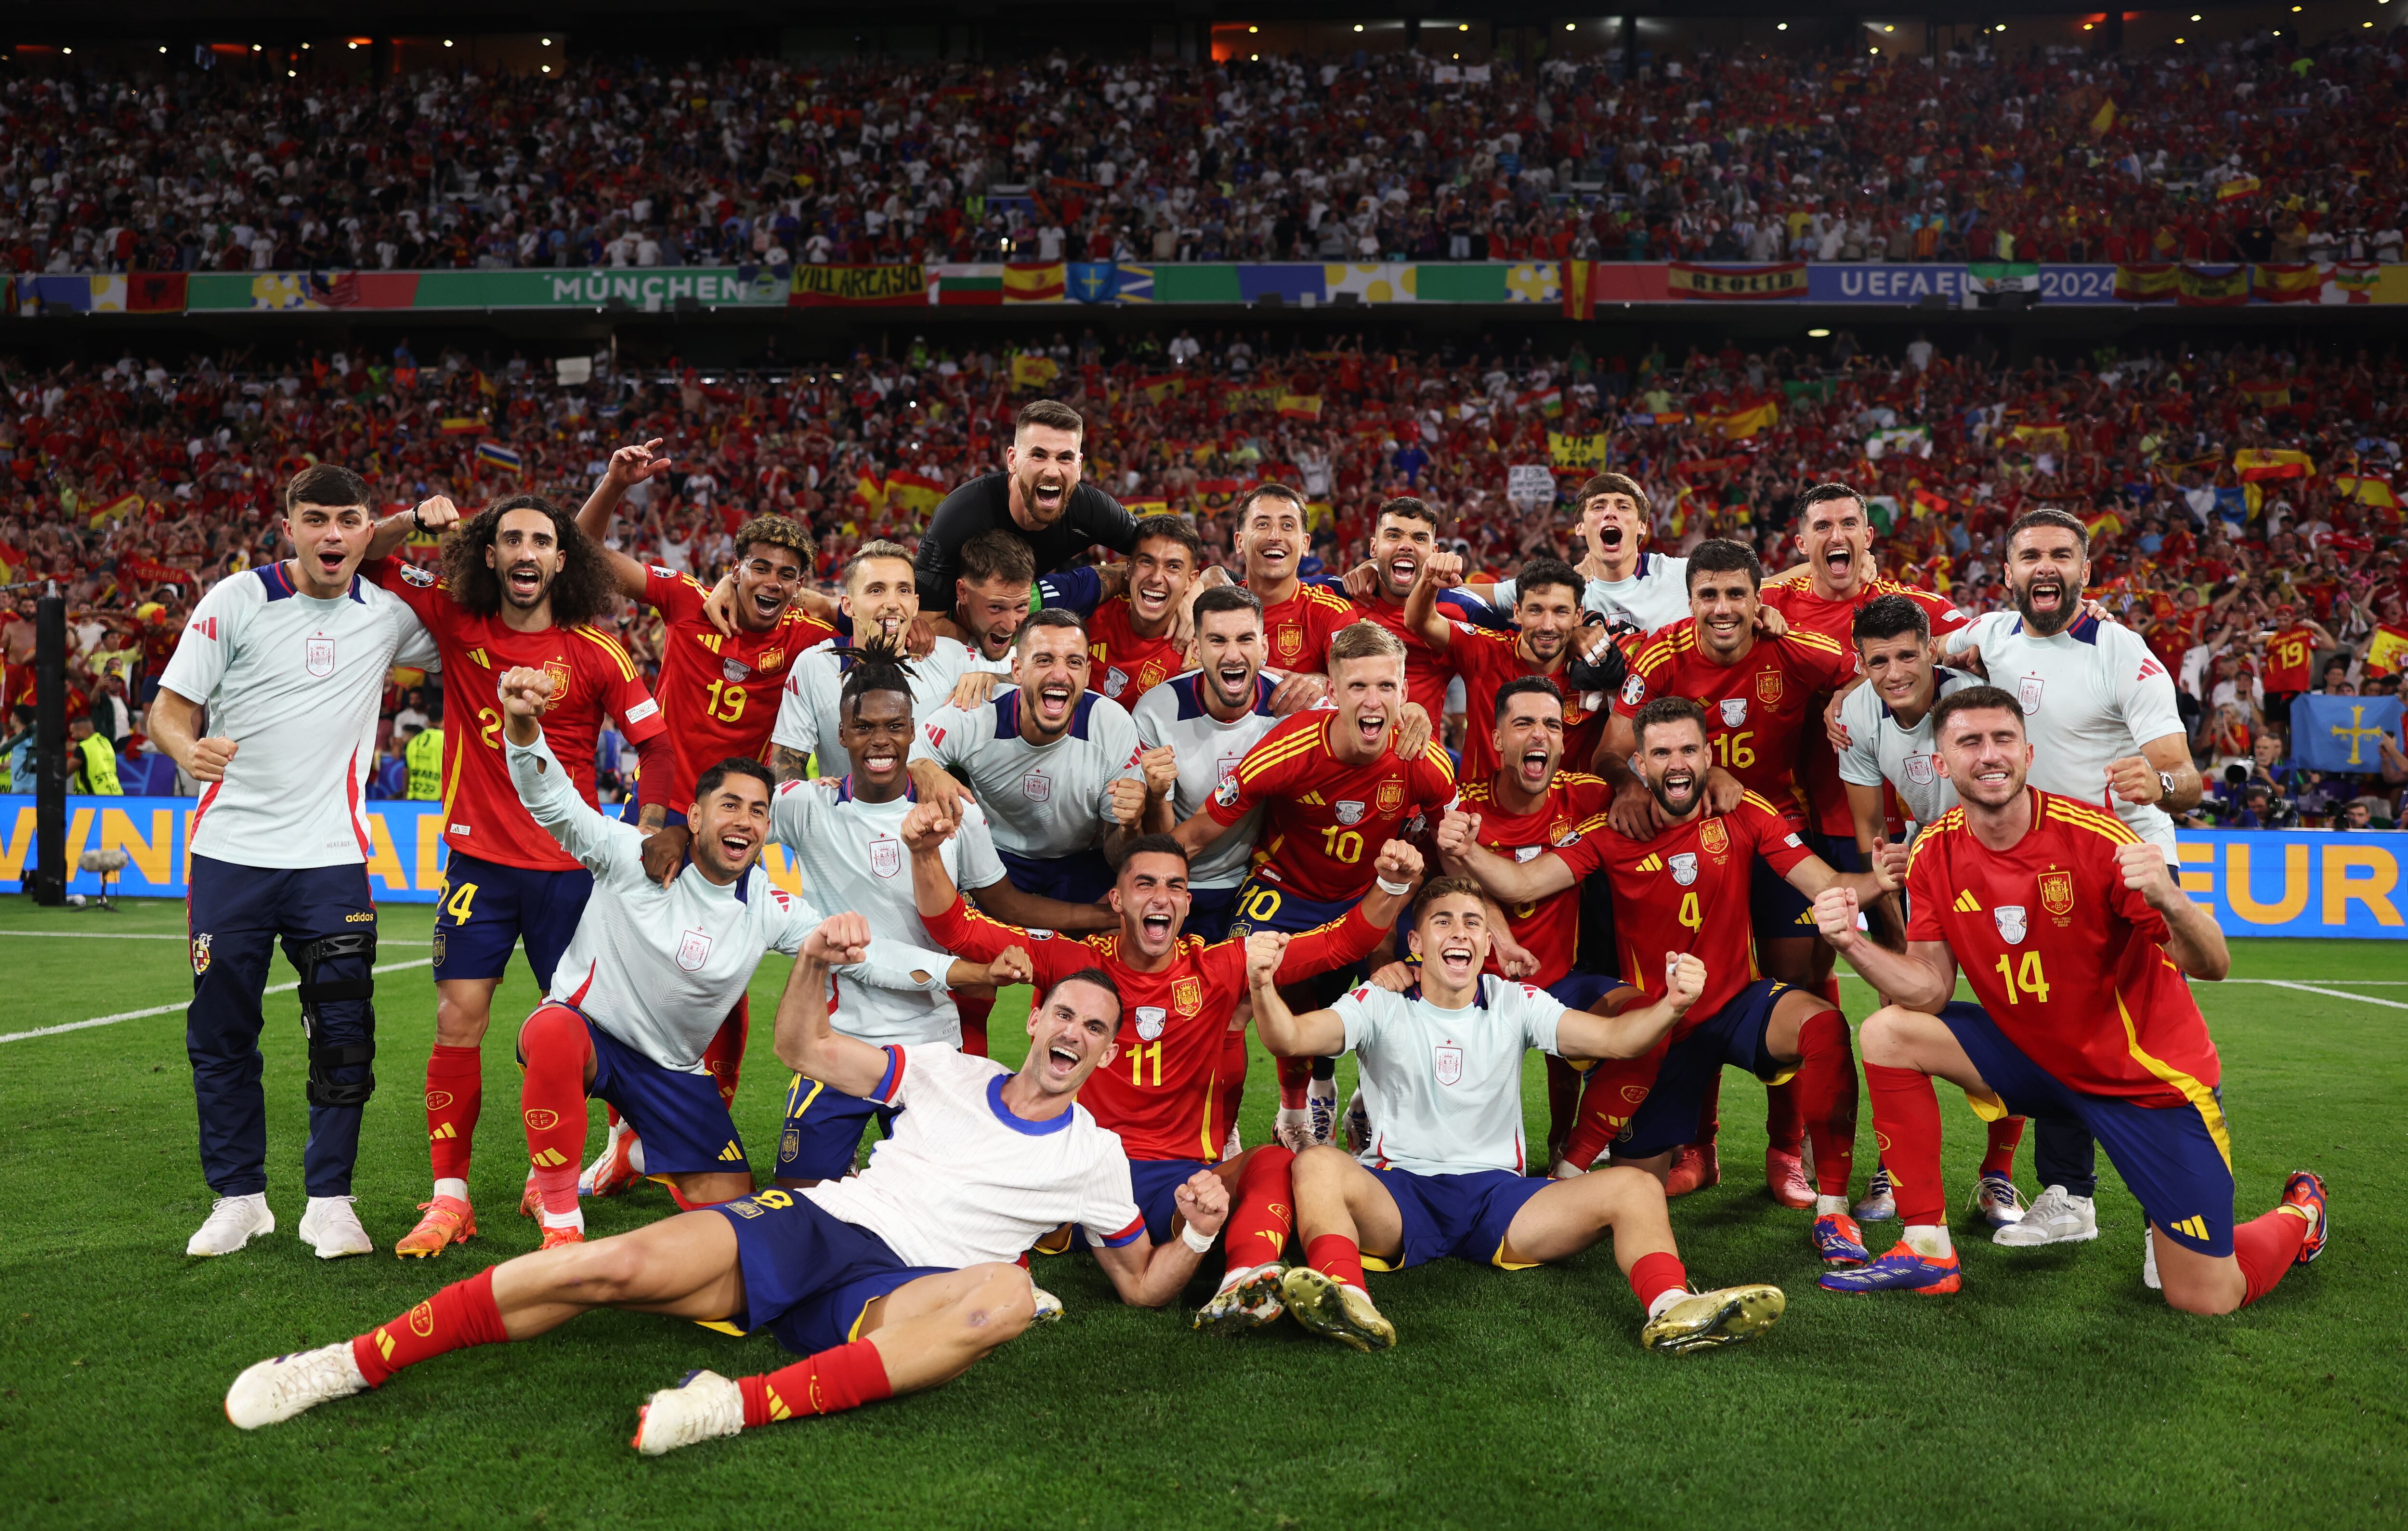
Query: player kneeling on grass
point(894, 1279)
point(1446, 1171)
point(2075, 940)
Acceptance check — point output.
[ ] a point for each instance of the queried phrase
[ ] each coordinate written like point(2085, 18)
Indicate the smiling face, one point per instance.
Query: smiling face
point(1725, 603)
point(1985, 754)
point(1400, 548)
point(1230, 647)
point(881, 599)
point(1072, 1032)
point(1549, 617)
point(1451, 938)
point(1838, 538)
point(329, 541)
point(1161, 569)
point(992, 610)
point(2046, 570)
point(1672, 761)
point(1899, 671)
point(1614, 529)
point(1051, 668)
point(1270, 540)
point(527, 556)
point(1043, 461)
point(1530, 739)
point(1151, 897)
point(875, 731)
point(731, 824)
point(1370, 692)
point(766, 579)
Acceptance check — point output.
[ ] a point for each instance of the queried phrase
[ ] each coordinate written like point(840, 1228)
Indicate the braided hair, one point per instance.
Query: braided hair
point(876, 664)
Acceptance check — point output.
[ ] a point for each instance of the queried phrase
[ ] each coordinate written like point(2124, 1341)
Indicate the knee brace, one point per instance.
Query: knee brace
point(325, 1059)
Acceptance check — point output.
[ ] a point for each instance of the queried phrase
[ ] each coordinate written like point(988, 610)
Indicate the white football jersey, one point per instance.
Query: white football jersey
point(850, 855)
point(2091, 694)
point(964, 1181)
point(1656, 593)
point(1043, 801)
point(1443, 1088)
point(807, 708)
point(1880, 749)
point(295, 681)
point(659, 968)
point(1172, 715)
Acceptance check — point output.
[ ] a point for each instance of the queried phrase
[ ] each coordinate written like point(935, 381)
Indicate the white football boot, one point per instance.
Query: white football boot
point(278, 1389)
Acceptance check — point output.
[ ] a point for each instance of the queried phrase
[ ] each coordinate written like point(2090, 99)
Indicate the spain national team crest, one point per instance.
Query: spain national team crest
point(1734, 711)
point(1450, 1064)
point(1289, 641)
point(1920, 770)
point(1713, 837)
point(556, 672)
point(2027, 692)
point(1768, 687)
point(1187, 995)
point(693, 950)
point(768, 660)
point(735, 669)
point(318, 656)
point(1348, 811)
point(1685, 867)
point(2011, 922)
point(1391, 795)
point(2056, 892)
point(200, 954)
point(1037, 787)
point(1150, 1018)
point(1563, 832)
point(1150, 677)
point(886, 855)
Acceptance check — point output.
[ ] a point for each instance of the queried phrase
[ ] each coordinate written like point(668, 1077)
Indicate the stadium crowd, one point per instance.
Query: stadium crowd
point(2261, 151)
point(2233, 495)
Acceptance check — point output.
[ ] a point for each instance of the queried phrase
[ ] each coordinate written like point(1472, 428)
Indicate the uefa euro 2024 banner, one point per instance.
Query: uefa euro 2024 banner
point(2259, 882)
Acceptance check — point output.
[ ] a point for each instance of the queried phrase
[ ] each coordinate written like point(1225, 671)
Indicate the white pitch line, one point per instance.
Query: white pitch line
point(141, 935)
point(2275, 983)
point(163, 1009)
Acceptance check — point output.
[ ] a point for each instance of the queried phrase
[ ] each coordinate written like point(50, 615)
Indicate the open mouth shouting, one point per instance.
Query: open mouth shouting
point(523, 580)
point(1838, 559)
point(1677, 791)
point(2046, 595)
point(1402, 570)
point(1371, 726)
point(1157, 926)
point(1048, 495)
point(1054, 699)
point(330, 556)
point(1535, 763)
point(1457, 960)
point(1610, 540)
point(1151, 598)
point(1061, 1060)
point(736, 844)
point(1232, 678)
point(769, 603)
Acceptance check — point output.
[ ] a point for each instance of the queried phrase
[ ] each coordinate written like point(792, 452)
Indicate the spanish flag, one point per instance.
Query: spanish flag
point(2237, 188)
point(914, 492)
point(1162, 386)
point(1036, 283)
point(463, 426)
point(870, 490)
point(2292, 284)
point(2386, 652)
point(1030, 370)
point(1745, 420)
point(1299, 406)
point(1578, 284)
point(116, 509)
point(2377, 492)
point(2212, 286)
point(2256, 465)
point(2103, 118)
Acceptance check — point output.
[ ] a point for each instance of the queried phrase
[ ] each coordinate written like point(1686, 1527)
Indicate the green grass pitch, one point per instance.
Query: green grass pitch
point(2054, 1391)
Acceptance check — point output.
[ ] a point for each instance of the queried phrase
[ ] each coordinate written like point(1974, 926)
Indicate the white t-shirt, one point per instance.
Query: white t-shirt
point(2093, 693)
point(1880, 749)
point(850, 855)
point(1443, 1088)
point(659, 968)
point(1174, 715)
point(1043, 801)
point(1656, 593)
point(964, 1181)
point(807, 708)
point(295, 681)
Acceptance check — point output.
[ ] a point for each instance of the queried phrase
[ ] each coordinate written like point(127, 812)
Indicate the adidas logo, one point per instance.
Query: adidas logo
point(444, 1131)
point(2190, 1227)
point(731, 1153)
point(777, 1410)
point(1652, 863)
point(548, 1159)
point(1968, 904)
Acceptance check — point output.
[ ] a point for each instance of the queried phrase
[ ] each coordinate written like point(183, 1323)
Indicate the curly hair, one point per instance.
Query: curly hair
point(580, 592)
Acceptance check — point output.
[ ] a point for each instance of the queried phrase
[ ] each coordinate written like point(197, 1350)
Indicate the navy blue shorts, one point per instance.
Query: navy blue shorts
point(1269, 907)
point(822, 1137)
point(1462, 1217)
point(1082, 877)
point(485, 908)
point(808, 1275)
point(2175, 1160)
point(1775, 908)
point(684, 1125)
point(1156, 1184)
point(632, 813)
point(1584, 991)
point(1210, 911)
point(1668, 1118)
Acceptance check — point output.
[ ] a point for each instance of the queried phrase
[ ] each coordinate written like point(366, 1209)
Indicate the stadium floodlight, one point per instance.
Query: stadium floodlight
point(1253, 29)
point(547, 42)
point(1818, 335)
point(1463, 26)
point(1781, 26)
point(1571, 26)
point(1358, 26)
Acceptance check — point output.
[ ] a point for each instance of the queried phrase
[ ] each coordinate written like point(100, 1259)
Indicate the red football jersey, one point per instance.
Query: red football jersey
point(1425, 670)
point(1124, 666)
point(592, 677)
point(1486, 661)
point(2288, 653)
point(2064, 957)
point(1573, 809)
point(1758, 711)
point(1158, 1093)
point(718, 695)
point(1300, 628)
point(1687, 890)
point(1807, 611)
point(1324, 820)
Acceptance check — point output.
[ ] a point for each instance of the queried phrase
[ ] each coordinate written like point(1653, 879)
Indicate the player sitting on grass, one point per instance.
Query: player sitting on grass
point(1447, 1173)
point(2075, 940)
point(893, 1281)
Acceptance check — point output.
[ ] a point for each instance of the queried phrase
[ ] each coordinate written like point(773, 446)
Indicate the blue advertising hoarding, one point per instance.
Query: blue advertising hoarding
point(1876, 283)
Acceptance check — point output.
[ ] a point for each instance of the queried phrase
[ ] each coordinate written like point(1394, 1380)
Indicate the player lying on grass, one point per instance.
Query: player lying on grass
point(893, 1281)
point(1447, 1172)
point(2075, 940)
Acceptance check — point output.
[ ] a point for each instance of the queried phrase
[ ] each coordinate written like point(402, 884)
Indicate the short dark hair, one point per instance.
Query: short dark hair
point(716, 777)
point(1096, 975)
point(1889, 617)
point(1549, 573)
point(2049, 515)
point(1667, 709)
point(1052, 616)
point(1527, 685)
point(325, 483)
point(1825, 494)
point(1409, 507)
point(998, 555)
point(1441, 887)
point(1155, 845)
point(1973, 699)
point(1722, 555)
point(1228, 598)
point(1245, 503)
point(1612, 483)
point(1052, 412)
point(1169, 528)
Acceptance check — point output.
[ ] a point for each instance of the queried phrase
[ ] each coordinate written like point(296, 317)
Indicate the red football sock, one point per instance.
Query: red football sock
point(1825, 1087)
point(1653, 1275)
point(1906, 1122)
point(1336, 1256)
point(461, 1315)
point(1294, 1075)
point(455, 1089)
point(1563, 1099)
point(975, 1008)
point(829, 1382)
point(1611, 1093)
point(1263, 1209)
point(724, 1057)
point(1710, 1112)
point(2266, 1246)
point(1830, 990)
point(552, 1100)
point(2005, 1134)
point(1784, 1118)
point(1230, 1092)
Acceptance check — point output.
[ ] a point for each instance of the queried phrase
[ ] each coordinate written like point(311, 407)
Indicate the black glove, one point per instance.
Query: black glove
point(1603, 674)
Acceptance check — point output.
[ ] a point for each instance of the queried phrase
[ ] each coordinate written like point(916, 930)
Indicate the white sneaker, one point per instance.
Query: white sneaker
point(705, 1407)
point(1293, 1128)
point(1358, 1125)
point(1321, 1104)
point(276, 1390)
point(2055, 1218)
point(1049, 1307)
point(232, 1222)
point(333, 1229)
point(2149, 1259)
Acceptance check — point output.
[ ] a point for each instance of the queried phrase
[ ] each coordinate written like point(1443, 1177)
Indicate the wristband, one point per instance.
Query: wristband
point(1395, 890)
point(416, 519)
point(1200, 1243)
